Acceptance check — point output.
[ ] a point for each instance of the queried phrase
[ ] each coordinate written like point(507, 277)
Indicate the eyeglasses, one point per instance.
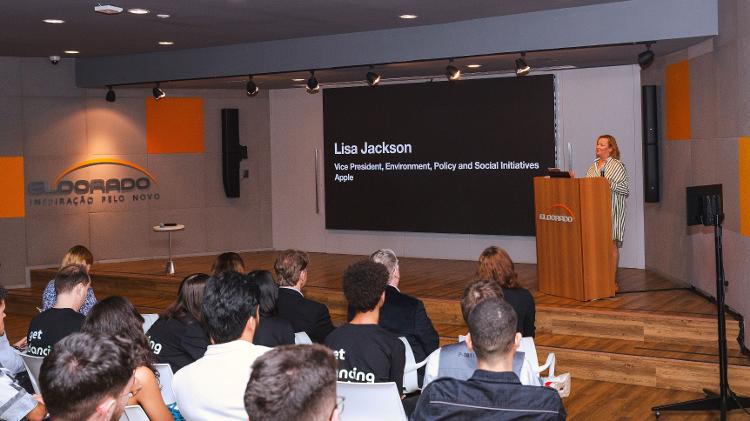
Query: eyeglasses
point(339, 404)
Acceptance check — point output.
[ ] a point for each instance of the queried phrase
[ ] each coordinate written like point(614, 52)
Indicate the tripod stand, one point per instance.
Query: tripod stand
point(726, 400)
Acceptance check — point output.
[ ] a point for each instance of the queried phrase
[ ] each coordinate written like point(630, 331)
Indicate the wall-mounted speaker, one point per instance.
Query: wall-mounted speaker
point(650, 112)
point(232, 153)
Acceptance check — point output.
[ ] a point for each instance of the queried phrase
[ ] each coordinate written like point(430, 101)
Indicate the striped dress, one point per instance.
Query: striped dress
point(614, 171)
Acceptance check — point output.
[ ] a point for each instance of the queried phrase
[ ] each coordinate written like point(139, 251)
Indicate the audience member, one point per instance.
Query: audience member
point(402, 314)
point(178, 338)
point(9, 358)
point(495, 264)
point(212, 388)
point(77, 255)
point(305, 315)
point(227, 262)
point(15, 403)
point(366, 352)
point(46, 328)
point(116, 316)
point(493, 392)
point(272, 330)
point(87, 376)
point(295, 382)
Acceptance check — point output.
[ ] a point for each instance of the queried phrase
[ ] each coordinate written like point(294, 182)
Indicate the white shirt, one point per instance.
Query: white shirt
point(213, 387)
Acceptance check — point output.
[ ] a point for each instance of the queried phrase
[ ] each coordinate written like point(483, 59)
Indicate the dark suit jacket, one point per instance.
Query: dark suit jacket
point(404, 315)
point(305, 315)
point(274, 331)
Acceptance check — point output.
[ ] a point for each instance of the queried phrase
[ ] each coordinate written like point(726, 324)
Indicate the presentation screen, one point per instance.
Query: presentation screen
point(443, 157)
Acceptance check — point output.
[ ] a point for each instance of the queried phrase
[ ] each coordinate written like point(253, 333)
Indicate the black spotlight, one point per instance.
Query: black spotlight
point(522, 68)
point(647, 57)
point(158, 93)
point(110, 97)
point(251, 87)
point(313, 87)
point(452, 72)
point(372, 78)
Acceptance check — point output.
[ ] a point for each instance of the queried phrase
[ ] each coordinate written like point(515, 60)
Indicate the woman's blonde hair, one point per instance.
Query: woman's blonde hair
point(495, 265)
point(77, 255)
point(612, 144)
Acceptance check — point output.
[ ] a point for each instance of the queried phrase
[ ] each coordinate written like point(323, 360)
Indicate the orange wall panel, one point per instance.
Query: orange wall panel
point(677, 93)
point(744, 178)
point(12, 187)
point(174, 125)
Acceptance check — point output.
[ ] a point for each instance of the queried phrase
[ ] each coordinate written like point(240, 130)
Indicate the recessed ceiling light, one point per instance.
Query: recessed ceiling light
point(166, 42)
point(139, 11)
point(408, 16)
point(163, 16)
point(298, 79)
point(71, 51)
point(473, 66)
point(54, 21)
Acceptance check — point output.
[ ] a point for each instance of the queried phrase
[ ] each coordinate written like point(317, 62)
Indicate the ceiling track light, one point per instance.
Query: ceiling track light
point(452, 72)
point(251, 88)
point(313, 87)
point(522, 68)
point(158, 92)
point(110, 97)
point(373, 79)
point(647, 57)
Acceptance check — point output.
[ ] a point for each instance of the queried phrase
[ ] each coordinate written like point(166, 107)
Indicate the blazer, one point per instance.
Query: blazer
point(274, 331)
point(305, 315)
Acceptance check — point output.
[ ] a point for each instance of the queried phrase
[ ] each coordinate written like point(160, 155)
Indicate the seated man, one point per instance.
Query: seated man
point(46, 328)
point(366, 352)
point(9, 358)
point(88, 377)
point(307, 376)
point(493, 392)
point(212, 387)
point(305, 315)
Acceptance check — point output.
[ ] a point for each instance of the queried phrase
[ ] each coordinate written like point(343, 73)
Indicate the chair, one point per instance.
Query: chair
point(33, 365)
point(411, 381)
point(148, 320)
point(528, 347)
point(301, 338)
point(370, 402)
point(134, 413)
point(165, 383)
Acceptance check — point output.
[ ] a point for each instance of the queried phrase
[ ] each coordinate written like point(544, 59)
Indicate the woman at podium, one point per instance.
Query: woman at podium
point(609, 166)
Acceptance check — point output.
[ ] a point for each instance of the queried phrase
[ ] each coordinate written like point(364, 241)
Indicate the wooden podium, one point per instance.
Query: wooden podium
point(574, 237)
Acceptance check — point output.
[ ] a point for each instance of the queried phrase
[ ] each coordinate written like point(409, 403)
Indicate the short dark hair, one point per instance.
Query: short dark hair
point(269, 291)
point(289, 265)
point(476, 292)
point(292, 382)
point(69, 276)
point(3, 294)
point(189, 299)
point(82, 370)
point(227, 262)
point(364, 283)
point(492, 325)
point(229, 301)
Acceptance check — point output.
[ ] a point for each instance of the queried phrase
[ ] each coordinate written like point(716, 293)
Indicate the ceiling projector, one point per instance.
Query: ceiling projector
point(107, 9)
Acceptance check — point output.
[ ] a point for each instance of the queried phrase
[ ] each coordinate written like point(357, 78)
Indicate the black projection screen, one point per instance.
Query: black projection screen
point(447, 157)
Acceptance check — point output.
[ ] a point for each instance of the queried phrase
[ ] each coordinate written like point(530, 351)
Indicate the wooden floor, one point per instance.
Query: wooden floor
point(651, 344)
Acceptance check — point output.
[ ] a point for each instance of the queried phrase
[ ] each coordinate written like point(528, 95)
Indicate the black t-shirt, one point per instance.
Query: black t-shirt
point(50, 326)
point(367, 354)
point(523, 303)
point(177, 343)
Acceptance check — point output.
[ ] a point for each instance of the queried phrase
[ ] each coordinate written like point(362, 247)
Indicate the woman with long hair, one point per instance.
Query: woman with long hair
point(116, 316)
point(77, 255)
point(272, 330)
point(178, 338)
point(227, 262)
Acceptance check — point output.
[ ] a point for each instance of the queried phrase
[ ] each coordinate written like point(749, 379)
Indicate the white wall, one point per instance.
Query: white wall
point(591, 102)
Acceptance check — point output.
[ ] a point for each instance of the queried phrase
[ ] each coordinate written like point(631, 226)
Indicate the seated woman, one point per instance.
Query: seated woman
point(117, 316)
point(495, 265)
point(272, 330)
point(227, 262)
point(177, 338)
point(77, 255)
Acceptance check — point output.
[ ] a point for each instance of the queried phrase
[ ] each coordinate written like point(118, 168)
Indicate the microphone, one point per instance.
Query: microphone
point(602, 171)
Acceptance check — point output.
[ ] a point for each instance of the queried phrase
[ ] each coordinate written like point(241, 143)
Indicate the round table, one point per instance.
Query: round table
point(169, 229)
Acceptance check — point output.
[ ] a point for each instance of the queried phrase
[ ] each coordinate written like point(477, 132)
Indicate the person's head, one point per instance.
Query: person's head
point(72, 284)
point(116, 316)
point(495, 264)
point(230, 307)
point(387, 258)
point(364, 285)
point(78, 255)
point(492, 331)
point(606, 146)
point(291, 268)
point(87, 376)
point(269, 291)
point(227, 262)
point(189, 299)
point(476, 292)
point(293, 382)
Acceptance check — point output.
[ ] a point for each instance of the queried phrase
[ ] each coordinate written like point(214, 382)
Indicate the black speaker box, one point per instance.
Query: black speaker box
point(650, 111)
point(232, 153)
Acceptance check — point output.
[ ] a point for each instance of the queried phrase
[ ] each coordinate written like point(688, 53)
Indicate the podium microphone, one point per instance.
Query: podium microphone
point(602, 171)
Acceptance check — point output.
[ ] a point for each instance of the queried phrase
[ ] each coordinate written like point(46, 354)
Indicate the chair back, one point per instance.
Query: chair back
point(411, 381)
point(302, 338)
point(33, 366)
point(370, 401)
point(134, 413)
point(148, 320)
point(165, 383)
point(528, 347)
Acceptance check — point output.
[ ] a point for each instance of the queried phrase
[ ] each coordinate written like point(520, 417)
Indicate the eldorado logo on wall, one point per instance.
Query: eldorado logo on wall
point(66, 191)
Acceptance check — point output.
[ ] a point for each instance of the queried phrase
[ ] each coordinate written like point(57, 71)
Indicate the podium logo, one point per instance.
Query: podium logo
point(556, 217)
